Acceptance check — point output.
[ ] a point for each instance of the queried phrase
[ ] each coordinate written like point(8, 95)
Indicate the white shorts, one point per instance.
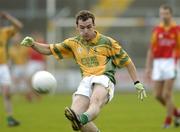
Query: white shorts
point(19, 71)
point(178, 67)
point(34, 66)
point(5, 78)
point(163, 69)
point(86, 85)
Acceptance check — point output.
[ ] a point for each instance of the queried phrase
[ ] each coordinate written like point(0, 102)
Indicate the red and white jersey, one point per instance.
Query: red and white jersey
point(178, 49)
point(165, 41)
point(35, 56)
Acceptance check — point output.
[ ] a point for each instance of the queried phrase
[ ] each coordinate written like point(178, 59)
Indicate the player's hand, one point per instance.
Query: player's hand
point(27, 41)
point(147, 75)
point(4, 15)
point(141, 91)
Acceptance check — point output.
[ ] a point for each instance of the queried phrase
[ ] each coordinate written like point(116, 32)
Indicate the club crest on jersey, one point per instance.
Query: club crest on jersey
point(160, 36)
point(79, 50)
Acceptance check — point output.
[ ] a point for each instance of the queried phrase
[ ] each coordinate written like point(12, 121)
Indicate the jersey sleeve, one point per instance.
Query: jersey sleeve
point(178, 38)
point(153, 40)
point(177, 50)
point(119, 55)
point(62, 50)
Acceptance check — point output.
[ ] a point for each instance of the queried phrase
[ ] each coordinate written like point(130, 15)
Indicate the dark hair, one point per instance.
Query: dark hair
point(167, 7)
point(84, 15)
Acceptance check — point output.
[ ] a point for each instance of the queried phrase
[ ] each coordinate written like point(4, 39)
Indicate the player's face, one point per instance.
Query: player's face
point(165, 15)
point(86, 29)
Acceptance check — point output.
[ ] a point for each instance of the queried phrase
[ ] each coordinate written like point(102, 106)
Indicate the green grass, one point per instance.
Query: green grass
point(124, 114)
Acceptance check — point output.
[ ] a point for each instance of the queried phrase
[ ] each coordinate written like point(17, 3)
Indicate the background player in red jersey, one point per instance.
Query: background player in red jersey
point(161, 56)
point(177, 54)
point(36, 63)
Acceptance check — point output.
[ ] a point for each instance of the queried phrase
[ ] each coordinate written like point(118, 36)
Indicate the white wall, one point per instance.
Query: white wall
point(68, 80)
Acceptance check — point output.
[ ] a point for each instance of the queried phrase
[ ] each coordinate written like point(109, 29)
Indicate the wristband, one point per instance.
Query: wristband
point(136, 82)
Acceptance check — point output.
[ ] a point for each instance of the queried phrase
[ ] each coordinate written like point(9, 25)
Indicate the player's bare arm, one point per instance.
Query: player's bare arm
point(149, 59)
point(139, 87)
point(132, 71)
point(148, 65)
point(42, 48)
point(16, 23)
point(39, 47)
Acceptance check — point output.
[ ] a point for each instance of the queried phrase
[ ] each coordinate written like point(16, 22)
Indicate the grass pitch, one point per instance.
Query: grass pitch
point(125, 113)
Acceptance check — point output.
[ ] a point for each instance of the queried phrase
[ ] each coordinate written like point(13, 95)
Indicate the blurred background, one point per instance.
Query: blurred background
point(51, 21)
point(128, 21)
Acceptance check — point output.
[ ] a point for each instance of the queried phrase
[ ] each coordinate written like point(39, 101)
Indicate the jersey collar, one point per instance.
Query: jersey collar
point(95, 40)
point(172, 24)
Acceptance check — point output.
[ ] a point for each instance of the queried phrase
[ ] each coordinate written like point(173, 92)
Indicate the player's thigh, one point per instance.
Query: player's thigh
point(34, 66)
point(80, 103)
point(158, 87)
point(5, 80)
point(100, 95)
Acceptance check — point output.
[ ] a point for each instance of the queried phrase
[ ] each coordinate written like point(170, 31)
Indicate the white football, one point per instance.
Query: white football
point(44, 82)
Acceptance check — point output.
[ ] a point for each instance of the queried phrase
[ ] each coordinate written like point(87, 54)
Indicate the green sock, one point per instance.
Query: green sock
point(84, 118)
point(9, 118)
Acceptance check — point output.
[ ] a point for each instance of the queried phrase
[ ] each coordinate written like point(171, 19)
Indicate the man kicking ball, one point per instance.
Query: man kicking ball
point(97, 56)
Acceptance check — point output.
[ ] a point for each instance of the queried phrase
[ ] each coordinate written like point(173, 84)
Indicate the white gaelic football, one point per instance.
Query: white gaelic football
point(44, 82)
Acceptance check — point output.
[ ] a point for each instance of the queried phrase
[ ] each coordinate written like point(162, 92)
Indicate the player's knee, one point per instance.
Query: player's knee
point(159, 97)
point(77, 111)
point(167, 96)
point(95, 130)
point(6, 95)
point(89, 130)
point(95, 101)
